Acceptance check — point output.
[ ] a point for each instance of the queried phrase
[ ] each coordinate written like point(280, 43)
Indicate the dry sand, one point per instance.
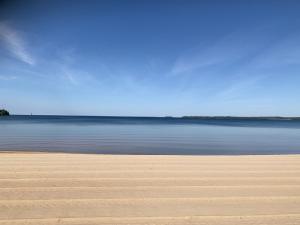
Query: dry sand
point(69, 189)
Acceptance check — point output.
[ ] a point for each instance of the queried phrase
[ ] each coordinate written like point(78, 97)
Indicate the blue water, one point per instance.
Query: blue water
point(144, 135)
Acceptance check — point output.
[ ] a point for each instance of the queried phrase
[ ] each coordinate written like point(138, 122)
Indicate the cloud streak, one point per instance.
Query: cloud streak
point(69, 76)
point(15, 44)
point(8, 77)
point(240, 87)
point(228, 50)
point(284, 53)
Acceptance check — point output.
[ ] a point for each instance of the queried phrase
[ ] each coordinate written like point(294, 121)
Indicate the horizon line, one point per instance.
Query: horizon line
point(168, 116)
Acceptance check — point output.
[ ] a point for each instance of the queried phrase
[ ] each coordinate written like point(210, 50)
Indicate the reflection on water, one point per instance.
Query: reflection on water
point(148, 135)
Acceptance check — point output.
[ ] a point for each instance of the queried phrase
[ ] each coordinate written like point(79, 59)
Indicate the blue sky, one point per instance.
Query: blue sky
point(150, 58)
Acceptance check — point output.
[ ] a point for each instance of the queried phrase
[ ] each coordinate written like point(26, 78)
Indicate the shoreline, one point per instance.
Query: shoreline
point(137, 154)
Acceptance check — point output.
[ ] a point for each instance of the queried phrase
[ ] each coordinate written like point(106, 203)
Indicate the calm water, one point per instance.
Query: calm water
point(138, 135)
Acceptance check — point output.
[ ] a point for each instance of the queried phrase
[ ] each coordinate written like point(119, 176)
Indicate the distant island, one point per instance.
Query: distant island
point(242, 117)
point(4, 112)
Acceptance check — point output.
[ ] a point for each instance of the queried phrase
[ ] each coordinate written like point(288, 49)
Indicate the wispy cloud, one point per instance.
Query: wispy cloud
point(284, 53)
point(67, 68)
point(15, 44)
point(69, 75)
point(226, 50)
point(245, 62)
point(238, 88)
point(9, 77)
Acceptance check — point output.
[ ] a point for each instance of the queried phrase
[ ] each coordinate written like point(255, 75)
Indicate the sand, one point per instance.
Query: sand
point(69, 189)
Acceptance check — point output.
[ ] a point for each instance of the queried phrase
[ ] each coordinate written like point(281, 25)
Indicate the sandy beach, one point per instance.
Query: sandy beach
point(69, 189)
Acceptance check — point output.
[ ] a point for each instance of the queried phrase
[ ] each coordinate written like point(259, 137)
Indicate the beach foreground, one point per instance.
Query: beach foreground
point(69, 189)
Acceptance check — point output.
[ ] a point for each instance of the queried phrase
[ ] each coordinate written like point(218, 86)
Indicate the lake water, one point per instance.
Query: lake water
point(145, 135)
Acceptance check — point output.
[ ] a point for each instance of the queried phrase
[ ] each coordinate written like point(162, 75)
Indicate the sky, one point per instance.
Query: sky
point(150, 58)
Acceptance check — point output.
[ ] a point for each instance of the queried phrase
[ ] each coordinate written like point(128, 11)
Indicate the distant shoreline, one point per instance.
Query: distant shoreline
point(243, 117)
point(177, 117)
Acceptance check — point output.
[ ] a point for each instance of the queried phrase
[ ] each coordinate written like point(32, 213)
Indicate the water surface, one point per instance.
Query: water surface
point(149, 135)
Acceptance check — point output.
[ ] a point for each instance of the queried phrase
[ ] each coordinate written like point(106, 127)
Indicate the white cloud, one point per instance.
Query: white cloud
point(15, 43)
